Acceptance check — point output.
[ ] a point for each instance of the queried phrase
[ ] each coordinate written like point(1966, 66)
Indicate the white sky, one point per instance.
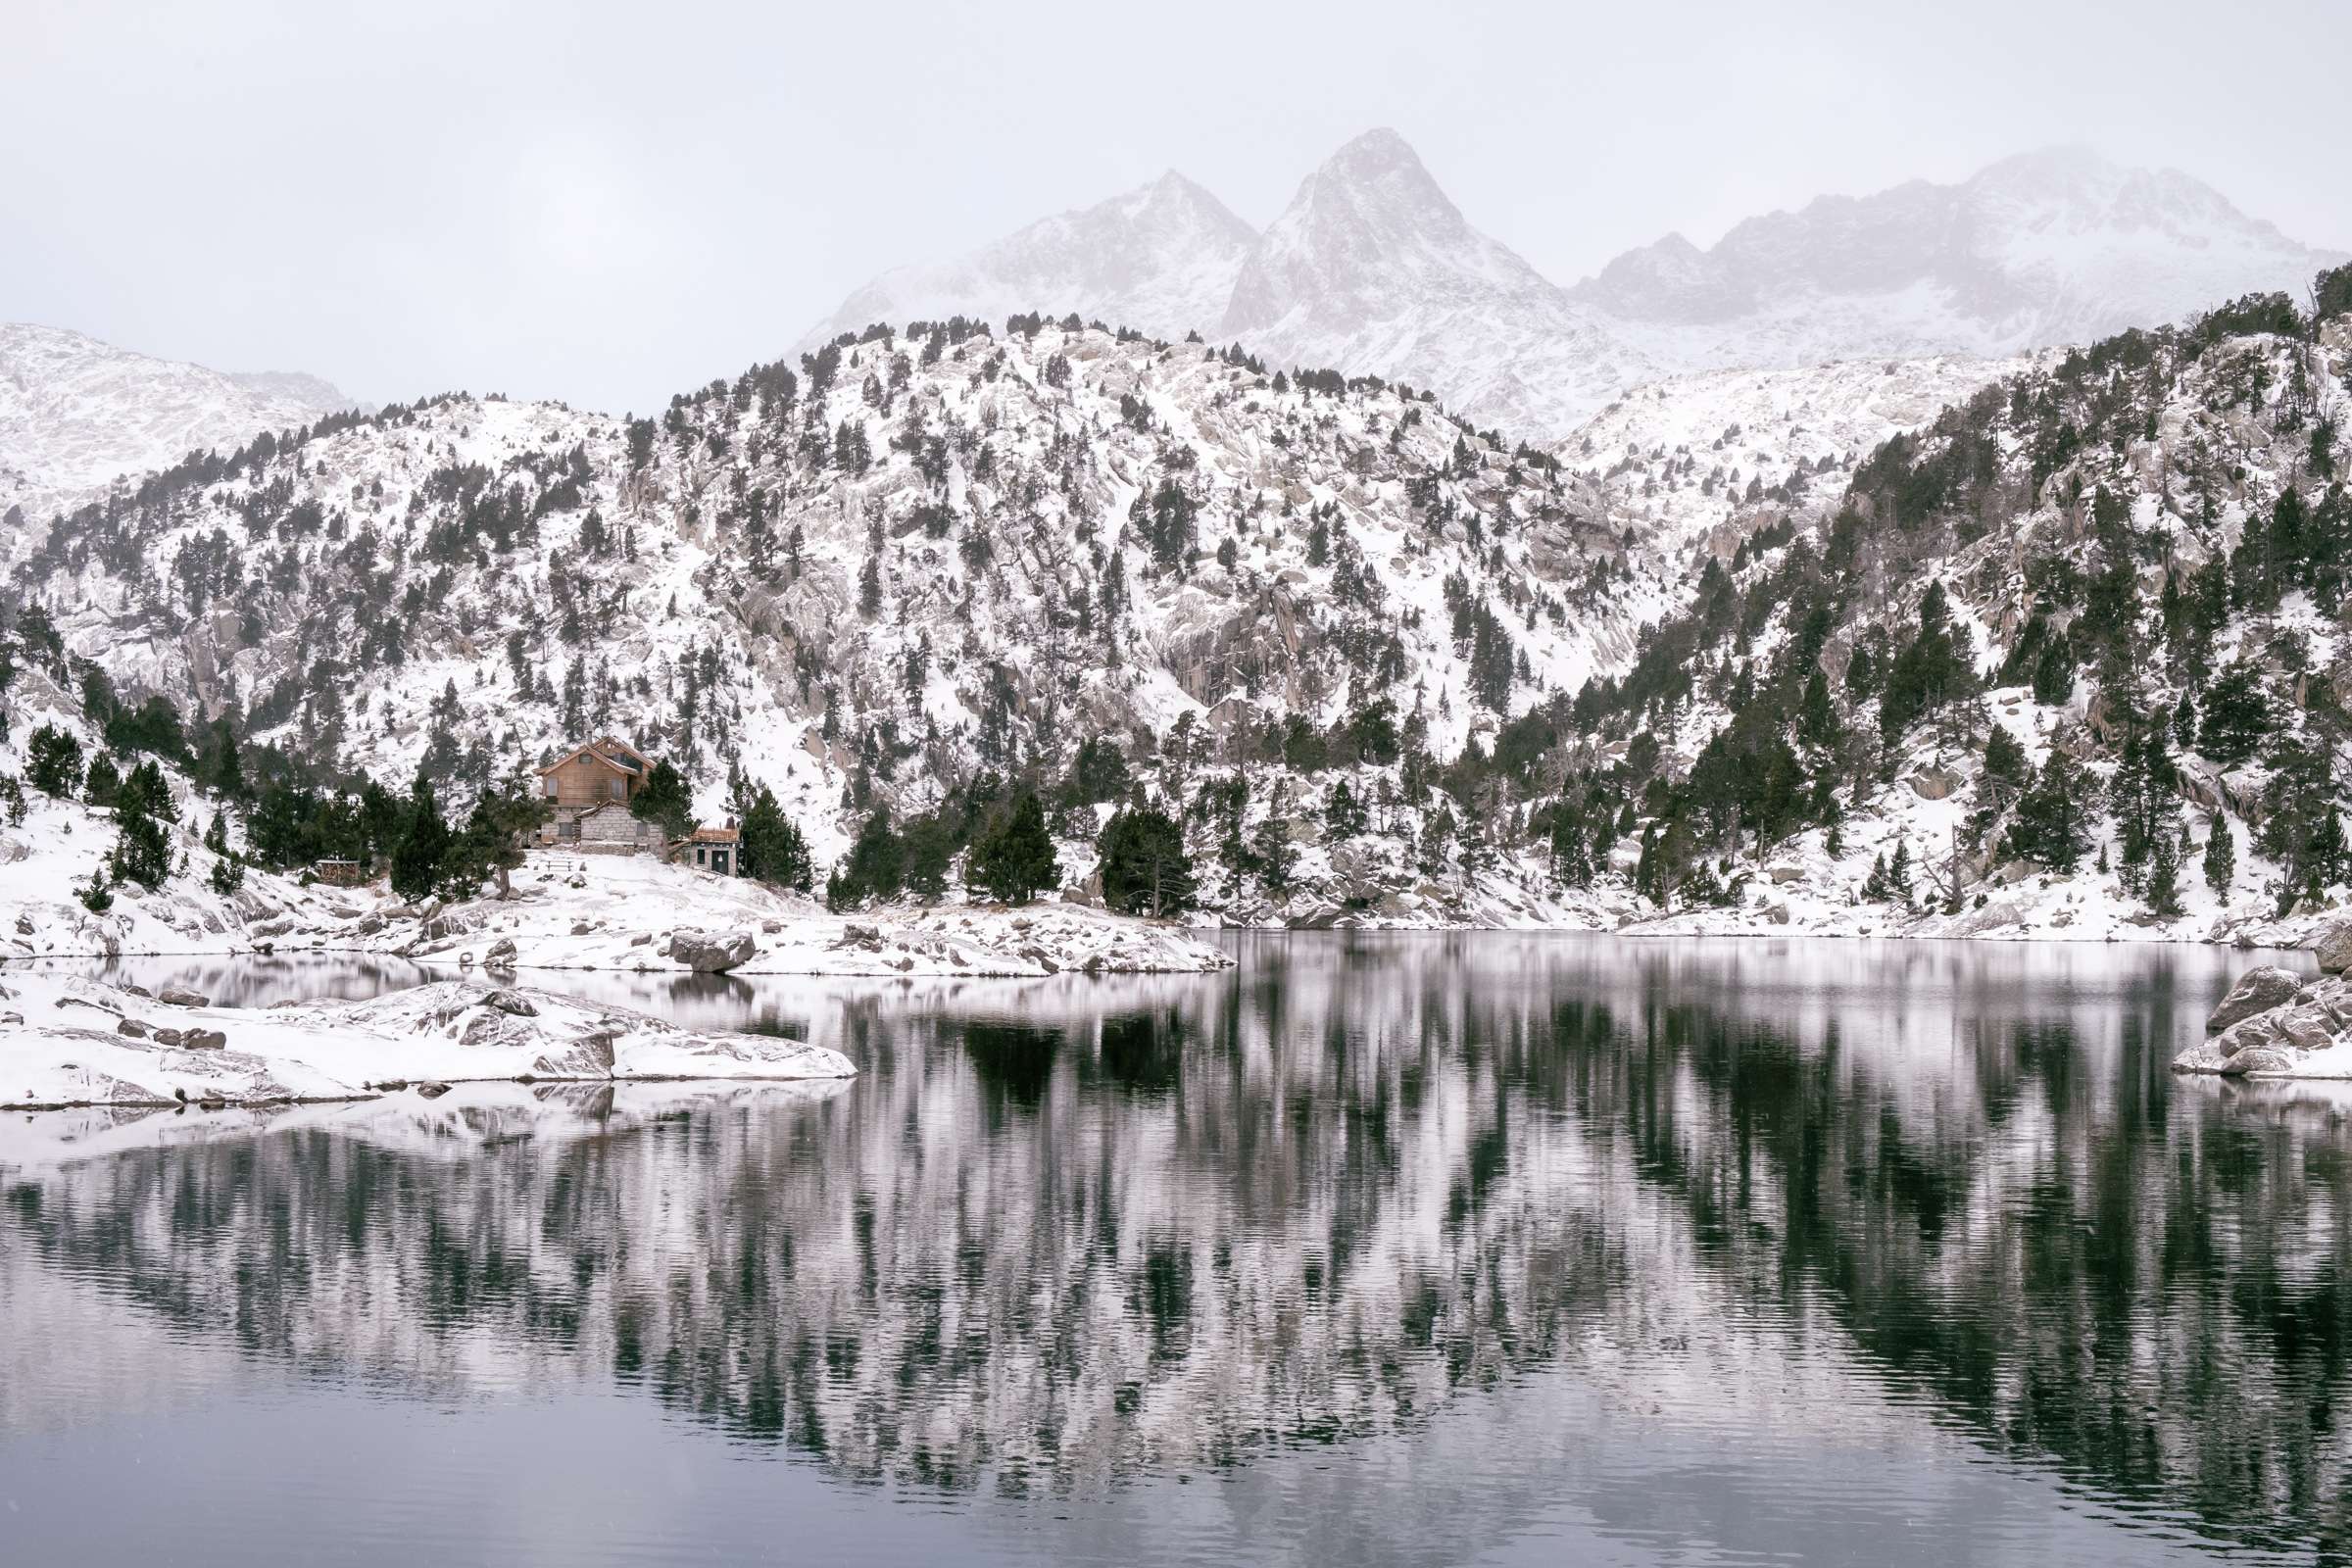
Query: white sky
point(609, 202)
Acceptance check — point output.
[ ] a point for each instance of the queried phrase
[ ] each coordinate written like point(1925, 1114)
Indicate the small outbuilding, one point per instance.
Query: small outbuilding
point(715, 850)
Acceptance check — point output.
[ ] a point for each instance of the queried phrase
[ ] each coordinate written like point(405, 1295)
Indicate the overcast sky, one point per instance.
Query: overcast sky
point(609, 202)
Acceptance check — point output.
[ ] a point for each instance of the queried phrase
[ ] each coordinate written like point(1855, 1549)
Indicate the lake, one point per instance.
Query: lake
point(1424, 1249)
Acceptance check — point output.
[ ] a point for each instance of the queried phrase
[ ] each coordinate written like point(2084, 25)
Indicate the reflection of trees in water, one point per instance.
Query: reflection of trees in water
point(1320, 1197)
point(2143, 1290)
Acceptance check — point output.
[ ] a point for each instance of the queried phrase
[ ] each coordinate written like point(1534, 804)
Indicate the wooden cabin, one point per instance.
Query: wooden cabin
point(590, 787)
point(603, 770)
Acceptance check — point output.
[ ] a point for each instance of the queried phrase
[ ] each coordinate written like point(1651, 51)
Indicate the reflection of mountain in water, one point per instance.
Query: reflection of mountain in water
point(1159, 1226)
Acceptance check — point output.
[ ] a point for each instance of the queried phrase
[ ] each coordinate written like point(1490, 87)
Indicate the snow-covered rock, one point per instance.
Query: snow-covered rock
point(2256, 991)
point(85, 1043)
point(710, 951)
point(2277, 1024)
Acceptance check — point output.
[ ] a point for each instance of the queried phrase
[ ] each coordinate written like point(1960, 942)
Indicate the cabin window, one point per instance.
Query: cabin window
point(549, 783)
point(620, 789)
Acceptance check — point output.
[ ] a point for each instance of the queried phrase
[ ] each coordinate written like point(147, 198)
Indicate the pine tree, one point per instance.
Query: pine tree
point(2049, 830)
point(103, 782)
point(2163, 875)
point(1015, 862)
point(228, 867)
point(1145, 870)
point(502, 822)
point(665, 799)
point(53, 761)
point(1344, 815)
point(1899, 873)
point(1274, 854)
point(417, 860)
point(774, 850)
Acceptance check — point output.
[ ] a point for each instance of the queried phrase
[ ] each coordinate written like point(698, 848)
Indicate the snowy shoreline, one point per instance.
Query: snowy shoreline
point(68, 1042)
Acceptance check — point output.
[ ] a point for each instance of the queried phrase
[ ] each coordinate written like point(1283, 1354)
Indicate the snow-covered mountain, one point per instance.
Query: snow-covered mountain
point(1161, 259)
point(912, 563)
point(2049, 247)
point(1373, 271)
point(75, 413)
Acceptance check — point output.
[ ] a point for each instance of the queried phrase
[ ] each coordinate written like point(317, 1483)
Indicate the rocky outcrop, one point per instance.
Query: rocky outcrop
point(2256, 991)
point(2334, 948)
point(2275, 1023)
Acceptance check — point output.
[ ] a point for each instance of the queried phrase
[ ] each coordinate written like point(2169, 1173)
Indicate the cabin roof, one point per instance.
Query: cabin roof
point(620, 757)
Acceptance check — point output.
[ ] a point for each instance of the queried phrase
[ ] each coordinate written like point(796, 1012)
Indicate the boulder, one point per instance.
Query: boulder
point(711, 952)
point(2257, 991)
point(204, 1039)
point(431, 1090)
point(2206, 1056)
point(2335, 948)
point(2259, 1059)
point(182, 996)
point(2307, 1027)
point(500, 954)
point(130, 1027)
point(510, 1002)
point(1933, 783)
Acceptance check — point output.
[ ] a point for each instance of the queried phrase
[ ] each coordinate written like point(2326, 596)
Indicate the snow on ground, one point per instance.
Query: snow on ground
point(67, 1041)
point(454, 1125)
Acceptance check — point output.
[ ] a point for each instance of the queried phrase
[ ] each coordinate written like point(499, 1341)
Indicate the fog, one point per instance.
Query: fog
point(605, 203)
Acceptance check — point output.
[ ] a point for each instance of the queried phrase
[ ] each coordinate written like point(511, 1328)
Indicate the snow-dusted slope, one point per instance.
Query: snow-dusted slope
point(1689, 461)
point(75, 413)
point(948, 557)
point(2051, 247)
point(1160, 259)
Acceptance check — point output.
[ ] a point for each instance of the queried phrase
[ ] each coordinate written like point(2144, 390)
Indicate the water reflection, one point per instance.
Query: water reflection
point(1063, 1233)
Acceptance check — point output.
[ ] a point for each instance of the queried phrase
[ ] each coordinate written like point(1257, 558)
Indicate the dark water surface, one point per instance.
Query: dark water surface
point(1416, 1249)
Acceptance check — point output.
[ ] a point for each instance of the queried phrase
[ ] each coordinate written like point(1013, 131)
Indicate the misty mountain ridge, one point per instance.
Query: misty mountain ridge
point(1372, 269)
point(75, 413)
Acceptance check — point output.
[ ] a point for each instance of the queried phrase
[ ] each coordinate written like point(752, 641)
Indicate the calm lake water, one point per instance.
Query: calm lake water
point(1414, 1249)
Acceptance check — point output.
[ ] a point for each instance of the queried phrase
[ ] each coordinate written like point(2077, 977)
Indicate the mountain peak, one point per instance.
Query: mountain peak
point(1161, 258)
point(1377, 151)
